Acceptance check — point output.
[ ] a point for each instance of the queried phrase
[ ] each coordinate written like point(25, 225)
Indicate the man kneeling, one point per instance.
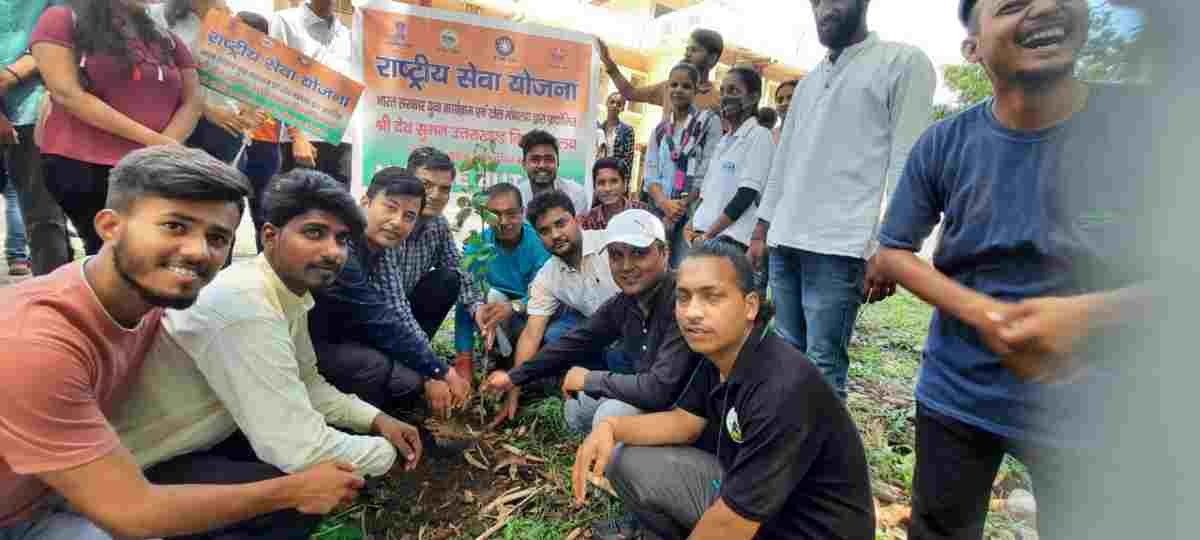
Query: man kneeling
point(781, 457)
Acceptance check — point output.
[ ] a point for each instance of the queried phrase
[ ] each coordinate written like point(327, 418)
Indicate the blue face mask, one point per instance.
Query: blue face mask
point(734, 107)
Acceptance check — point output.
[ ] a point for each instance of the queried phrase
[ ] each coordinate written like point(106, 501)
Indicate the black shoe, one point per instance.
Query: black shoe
point(625, 527)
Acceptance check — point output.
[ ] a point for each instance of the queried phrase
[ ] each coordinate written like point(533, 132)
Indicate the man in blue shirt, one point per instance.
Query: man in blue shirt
point(1038, 218)
point(519, 254)
point(22, 91)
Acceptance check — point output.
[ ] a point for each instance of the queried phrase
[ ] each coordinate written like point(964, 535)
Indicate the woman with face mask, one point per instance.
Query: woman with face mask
point(118, 82)
point(738, 170)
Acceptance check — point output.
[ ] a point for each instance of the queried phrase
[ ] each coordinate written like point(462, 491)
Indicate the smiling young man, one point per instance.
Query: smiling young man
point(852, 123)
point(1033, 189)
point(657, 360)
point(422, 276)
point(612, 191)
point(235, 379)
point(363, 347)
point(758, 445)
point(74, 341)
point(539, 158)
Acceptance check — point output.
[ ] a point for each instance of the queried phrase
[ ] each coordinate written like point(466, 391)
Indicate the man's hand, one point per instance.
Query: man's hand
point(439, 396)
point(592, 458)
point(304, 153)
point(605, 54)
point(322, 487)
point(460, 388)
point(877, 285)
point(673, 209)
point(508, 410)
point(758, 252)
point(8, 134)
point(573, 381)
point(498, 382)
point(1043, 333)
point(404, 437)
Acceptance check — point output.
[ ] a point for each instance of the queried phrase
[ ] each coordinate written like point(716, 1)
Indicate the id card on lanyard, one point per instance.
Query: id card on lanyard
point(682, 163)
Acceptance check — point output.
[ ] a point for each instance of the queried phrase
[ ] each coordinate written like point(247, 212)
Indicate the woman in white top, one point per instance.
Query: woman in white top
point(219, 131)
point(738, 170)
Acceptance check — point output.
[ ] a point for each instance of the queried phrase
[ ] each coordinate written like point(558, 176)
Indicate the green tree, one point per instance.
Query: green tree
point(969, 82)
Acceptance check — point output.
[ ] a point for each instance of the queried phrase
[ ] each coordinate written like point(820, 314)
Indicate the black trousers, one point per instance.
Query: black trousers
point(45, 224)
point(81, 189)
point(260, 163)
point(332, 159)
point(957, 464)
point(367, 373)
point(433, 298)
point(234, 462)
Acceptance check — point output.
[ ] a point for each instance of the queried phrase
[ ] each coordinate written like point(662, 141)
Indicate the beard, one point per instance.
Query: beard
point(842, 33)
point(122, 261)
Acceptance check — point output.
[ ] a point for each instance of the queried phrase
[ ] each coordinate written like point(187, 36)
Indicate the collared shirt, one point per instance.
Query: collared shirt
point(620, 143)
point(790, 455)
point(849, 129)
point(327, 41)
point(742, 160)
point(188, 28)
point(241, 357)
point(573, 190)
point(662, 360)
point(17, 20)
point(661, 168)
point(597, 218)
point(511, 271)
point(428, 247)
point(583, 289)
point(352, 311)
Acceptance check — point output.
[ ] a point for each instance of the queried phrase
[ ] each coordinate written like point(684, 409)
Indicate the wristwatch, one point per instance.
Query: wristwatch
point(518, 306)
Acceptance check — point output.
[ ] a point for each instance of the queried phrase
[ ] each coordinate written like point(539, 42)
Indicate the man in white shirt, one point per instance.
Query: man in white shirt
point(539, 157)
point(314, 30)
point(568, 289)
point(849, 128)
point(241, 359)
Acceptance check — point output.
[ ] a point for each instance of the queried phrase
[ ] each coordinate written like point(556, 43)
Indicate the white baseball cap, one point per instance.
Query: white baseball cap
point(635, 227)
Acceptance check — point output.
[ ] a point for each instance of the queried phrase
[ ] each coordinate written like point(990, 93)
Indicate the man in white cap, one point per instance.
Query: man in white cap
point(641, 317)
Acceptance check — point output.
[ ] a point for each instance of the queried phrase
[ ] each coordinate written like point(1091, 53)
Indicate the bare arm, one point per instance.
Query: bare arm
point(720, 522)
point(61, 75)
point(184, 120)
point(25, 67)
point(113, 493)
point(531, 339)
point(652, 94)
point(673, 427)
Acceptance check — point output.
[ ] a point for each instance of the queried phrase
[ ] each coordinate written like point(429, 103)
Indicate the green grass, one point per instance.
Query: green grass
point(885, 355)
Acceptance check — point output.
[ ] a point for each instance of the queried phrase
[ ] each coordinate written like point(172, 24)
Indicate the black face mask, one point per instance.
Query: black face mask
point(734, 107)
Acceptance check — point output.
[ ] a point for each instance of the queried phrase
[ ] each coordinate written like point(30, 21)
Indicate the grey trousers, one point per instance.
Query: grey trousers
point(668, 487)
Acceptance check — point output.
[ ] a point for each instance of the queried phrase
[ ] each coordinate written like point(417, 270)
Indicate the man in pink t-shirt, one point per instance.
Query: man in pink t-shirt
point(72, 341)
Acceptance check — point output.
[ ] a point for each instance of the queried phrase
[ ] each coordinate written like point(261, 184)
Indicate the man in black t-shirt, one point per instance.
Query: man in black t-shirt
point(781, 457)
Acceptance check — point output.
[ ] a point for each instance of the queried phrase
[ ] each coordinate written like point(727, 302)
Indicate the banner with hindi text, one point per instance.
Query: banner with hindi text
point(468, 85)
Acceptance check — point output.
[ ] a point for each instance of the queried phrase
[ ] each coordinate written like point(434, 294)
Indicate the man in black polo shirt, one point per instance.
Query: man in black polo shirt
point(781, 457)
point(641, 317)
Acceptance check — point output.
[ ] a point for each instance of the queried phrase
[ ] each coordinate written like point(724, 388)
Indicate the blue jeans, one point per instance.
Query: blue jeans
point(14, 240)
point(817, 299)
point(58, 522)
point(586, 412)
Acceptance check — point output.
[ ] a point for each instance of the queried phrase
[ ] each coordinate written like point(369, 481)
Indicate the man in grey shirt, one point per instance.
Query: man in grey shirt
point(847, 136)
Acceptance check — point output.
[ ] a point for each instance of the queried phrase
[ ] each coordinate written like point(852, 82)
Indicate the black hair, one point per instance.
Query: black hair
point(505, 188)
point(537, 137)
point(693, 73)
point(608, 163)
point(428, 157)
point(174, 172)
point(396, 181)
point(972, 20)
point(711, 40)
point(255, 21)
point(752, 80)
point(298, 191)
point(742, 267)
point(99, 28)
point(790, 82)
point(176, 10)
point(767, 117)
point(546, 202)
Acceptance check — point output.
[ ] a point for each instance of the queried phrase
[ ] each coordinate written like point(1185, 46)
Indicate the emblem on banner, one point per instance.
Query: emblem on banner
point(399, 36)
point(505, 46)
point(449, 40)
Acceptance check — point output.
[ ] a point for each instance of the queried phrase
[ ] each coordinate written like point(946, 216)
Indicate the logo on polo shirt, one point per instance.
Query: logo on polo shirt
point(732, 426)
